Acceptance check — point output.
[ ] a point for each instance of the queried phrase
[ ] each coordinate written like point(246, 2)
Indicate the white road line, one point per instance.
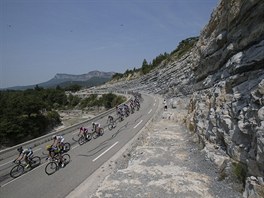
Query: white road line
point(74, 147)
point(23, 174)
point(150, 111)
point(37, 149)
point(11, 181)
point(76, 132)
point(12, 160)
point(105, 151)
point(5, 163)
point(138, 124)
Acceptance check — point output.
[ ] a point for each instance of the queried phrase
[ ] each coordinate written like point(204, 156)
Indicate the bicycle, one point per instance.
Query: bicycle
point(19, 169)
point(127, 113)
point(96, 134)
point(120, 117)
point(132, 109)
point(137, 106)
point(84, 138)
point(65, 147)
point(59, 160)
point(112, 125)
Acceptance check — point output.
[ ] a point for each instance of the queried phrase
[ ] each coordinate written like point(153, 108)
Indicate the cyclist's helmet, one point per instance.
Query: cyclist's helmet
point(54, 137)
point(93, 123)
point(81, 128)
point(20, 149)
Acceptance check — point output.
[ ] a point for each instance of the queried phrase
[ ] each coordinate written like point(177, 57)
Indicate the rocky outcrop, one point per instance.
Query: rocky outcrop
point(226, 108)
point(224, 77)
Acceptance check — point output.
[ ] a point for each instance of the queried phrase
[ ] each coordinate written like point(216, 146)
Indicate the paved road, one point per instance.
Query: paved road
point(85, 159)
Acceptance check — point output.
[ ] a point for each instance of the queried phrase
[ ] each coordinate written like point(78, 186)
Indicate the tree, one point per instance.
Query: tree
point(73, 88)
point(22, 114)
point(145, 67)
point(73, 100)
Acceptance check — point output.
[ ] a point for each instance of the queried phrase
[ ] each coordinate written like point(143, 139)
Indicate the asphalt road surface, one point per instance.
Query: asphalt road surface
point(85, 159)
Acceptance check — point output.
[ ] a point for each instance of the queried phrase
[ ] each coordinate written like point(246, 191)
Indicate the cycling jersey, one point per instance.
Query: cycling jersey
point(60, 138)
point(27, 152)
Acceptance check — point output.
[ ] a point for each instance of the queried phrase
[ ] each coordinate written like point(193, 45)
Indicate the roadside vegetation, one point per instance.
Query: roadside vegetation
point(183, 47)
point(28, 114)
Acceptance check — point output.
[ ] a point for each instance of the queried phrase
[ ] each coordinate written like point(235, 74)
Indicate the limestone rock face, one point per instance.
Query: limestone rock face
point(228, 108)
point(224, 76)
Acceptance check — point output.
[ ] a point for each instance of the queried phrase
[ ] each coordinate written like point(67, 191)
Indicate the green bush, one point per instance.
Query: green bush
point(240, 171)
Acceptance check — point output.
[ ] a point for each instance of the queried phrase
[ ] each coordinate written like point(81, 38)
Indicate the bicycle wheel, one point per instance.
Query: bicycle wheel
point(16, 171)
point(51, 168)
point(101, 131)
point(81, 140)
point(35, 161)
point(66, 158)
point(95, 135)
point(89, 136)
point(66, 147)
point(114, 124)
point(110, 126)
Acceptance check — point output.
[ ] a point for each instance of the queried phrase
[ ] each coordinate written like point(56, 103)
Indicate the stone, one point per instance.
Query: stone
point(261, 87)
point(261, 113)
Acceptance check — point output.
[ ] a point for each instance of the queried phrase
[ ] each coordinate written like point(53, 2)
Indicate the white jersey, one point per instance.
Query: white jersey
point(60, 138)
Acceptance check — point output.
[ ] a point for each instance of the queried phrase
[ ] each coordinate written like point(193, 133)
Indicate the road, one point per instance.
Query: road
point(85, 159)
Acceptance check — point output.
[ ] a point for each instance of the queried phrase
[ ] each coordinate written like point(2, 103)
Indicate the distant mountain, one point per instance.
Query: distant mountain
point(81, 79)
point(90, 79)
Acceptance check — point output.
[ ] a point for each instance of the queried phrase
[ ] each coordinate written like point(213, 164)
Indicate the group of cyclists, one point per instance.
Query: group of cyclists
point(96, 127)
point(125, 110)
point(57, 147)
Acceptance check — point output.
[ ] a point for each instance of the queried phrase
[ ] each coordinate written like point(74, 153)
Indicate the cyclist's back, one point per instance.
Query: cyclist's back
point(24, 153)
point(110, 119)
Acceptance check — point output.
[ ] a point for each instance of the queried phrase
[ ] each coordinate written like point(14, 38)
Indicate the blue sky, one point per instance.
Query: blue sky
point(39, 38)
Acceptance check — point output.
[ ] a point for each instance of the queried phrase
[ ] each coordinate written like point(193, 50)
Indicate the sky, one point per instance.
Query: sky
point(40, 38)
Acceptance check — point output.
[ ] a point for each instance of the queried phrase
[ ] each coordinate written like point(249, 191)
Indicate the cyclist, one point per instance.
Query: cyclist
point(96, 127)
point(136, 102)
point(58, 141)
point(126, 108)
point(24, 154)
point(118, 110)
point(110, 119)
point(54, 151)
point(83, 131)
point(131, 104)
point(165, 105)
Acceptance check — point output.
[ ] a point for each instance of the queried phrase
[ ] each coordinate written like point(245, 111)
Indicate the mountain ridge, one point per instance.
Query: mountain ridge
point(91, 78)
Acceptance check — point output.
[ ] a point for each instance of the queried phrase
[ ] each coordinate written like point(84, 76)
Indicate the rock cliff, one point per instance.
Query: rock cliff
point(224, 77)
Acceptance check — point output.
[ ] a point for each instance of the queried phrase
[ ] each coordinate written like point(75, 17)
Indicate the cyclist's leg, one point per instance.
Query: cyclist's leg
point(29, 156)
point(26, 159)
point(61, 161)
point(85, 134)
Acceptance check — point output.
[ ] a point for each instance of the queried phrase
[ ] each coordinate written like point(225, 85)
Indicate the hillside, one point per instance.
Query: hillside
point(223, 77)
point(90, 79)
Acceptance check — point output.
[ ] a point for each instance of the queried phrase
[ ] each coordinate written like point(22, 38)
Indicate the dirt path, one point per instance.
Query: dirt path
point(166, 164)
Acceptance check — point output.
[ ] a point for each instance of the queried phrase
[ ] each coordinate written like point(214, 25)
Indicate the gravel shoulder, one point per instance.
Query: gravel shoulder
point(163, 161)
